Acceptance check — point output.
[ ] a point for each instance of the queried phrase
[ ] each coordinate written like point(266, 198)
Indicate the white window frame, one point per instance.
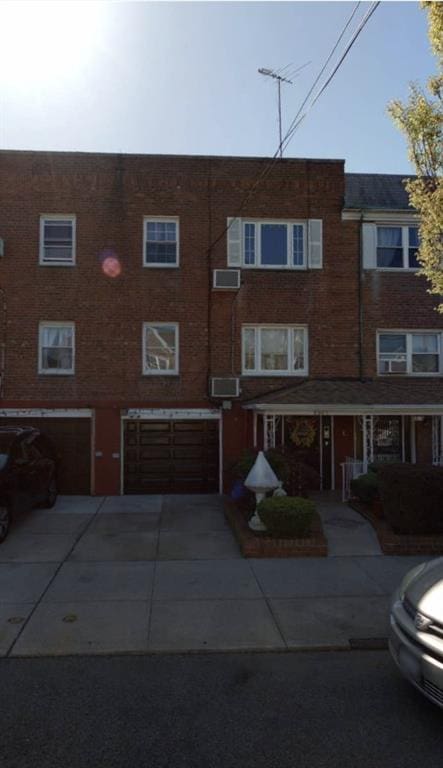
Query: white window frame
point(162, 220)
point(289, 223)
point(44, 217)
point(405, 246)
point(55, 371)
point(161, 371)
point(274, 326)
point(409, 353)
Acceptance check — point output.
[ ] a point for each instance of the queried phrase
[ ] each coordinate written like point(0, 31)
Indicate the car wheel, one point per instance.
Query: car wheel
point(5, 521)
point(51, 496)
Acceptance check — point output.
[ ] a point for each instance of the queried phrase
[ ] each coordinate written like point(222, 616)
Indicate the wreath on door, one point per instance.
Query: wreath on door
point(303, 433)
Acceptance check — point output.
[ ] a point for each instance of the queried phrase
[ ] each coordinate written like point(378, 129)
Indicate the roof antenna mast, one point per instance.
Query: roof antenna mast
point(280, 76)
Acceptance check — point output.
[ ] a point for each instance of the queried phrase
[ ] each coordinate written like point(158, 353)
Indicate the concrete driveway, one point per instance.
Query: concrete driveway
point(141, 574)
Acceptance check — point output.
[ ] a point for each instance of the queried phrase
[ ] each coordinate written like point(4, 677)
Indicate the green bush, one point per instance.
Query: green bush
point(365, 487)
point(287, 516)
point(412, 497)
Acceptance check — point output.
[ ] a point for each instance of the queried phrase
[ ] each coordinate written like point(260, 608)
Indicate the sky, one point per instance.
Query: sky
point(181, 78)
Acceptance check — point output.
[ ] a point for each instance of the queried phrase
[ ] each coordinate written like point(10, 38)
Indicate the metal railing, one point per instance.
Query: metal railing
point(350, 469)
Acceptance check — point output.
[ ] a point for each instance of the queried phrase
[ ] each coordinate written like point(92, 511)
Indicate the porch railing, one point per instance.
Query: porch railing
point(350, 469)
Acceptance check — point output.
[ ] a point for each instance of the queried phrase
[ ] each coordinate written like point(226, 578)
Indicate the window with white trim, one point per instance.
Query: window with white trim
point(57, 240)
point(56, 348)
point(397, 247)
point(160, 348)
point(274, 350)
point(410, 353)
point(160, 242)
point(274, 244)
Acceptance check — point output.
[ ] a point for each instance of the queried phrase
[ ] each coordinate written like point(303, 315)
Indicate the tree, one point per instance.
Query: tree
point(421, 120)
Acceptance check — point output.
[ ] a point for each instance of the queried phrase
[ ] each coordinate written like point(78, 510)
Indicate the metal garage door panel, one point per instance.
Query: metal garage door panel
point(171, 457)
point(72, 439)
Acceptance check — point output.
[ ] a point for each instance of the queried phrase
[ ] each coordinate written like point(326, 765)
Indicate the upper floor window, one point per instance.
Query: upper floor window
point(160, 242)
point(274, 350)
point(160, 348)
point(275, 244)
point(397, 247)
point(56, 348)
point(417, 353)
point(57, 240)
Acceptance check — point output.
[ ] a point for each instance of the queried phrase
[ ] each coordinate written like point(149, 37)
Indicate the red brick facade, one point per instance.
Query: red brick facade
point(110, 195)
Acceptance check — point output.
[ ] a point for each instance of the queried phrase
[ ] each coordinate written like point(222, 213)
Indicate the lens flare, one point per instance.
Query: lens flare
point(111, 266)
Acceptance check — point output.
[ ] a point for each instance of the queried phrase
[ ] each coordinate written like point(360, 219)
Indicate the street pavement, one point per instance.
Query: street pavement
point(346, 709)
point(140, 574)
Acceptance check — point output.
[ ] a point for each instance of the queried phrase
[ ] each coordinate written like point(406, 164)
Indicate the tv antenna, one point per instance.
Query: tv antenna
point(281, 76)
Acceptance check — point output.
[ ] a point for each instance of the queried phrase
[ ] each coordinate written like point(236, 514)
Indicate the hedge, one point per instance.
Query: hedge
point(412, 497)
point(365, 487)
point(287, 516)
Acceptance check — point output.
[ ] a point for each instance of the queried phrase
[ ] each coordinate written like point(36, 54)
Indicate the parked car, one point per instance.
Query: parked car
point(28, 473)
point(416, 634)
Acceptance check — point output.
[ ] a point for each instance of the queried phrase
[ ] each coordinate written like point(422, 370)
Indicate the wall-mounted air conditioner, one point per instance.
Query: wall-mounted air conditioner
point(225, 387)
point(226, 279)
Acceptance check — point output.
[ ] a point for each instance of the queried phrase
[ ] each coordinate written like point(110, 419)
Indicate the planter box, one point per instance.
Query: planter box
point(395, 543)
point(262, 545)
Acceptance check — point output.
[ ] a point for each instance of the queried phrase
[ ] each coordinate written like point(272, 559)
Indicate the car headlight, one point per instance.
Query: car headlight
point(409, 578)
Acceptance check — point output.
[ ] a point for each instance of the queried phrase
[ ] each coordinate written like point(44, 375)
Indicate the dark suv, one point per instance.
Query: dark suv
point(28, 473)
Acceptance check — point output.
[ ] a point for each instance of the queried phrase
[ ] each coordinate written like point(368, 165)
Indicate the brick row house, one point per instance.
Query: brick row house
point(157, 319)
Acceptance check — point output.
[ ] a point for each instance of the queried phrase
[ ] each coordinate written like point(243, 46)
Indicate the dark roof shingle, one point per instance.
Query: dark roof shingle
point(379, 191)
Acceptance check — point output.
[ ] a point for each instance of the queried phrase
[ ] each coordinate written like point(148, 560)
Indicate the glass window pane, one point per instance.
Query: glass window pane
point(160, 342)
point(425, 363)
point(274, 349)
point(390, 364)
point(249, 244)
point(161, 253)
point(389, 237)
point(389, 258)
point(55, 231)
point(413, 237)
point(249, 349)
point(425, 343)
point(389, 247)
point(298, 245)
point(56, 359)
point(298, 350)
point(392, 342)
point(274, 244)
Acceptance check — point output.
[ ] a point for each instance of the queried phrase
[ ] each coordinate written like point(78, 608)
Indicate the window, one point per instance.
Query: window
point(56, 348)
point(160, 242)
point(416, 353)
point(57, 240)
point(276, 350)
point(274, 245)
point(160, 348)
point(397, 247)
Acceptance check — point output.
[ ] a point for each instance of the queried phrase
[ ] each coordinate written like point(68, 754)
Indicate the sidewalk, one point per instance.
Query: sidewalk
point(164, 574)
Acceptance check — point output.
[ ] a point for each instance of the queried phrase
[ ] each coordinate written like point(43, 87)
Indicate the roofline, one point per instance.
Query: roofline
point(263, 158)
point(391, 175)
point(336, 409)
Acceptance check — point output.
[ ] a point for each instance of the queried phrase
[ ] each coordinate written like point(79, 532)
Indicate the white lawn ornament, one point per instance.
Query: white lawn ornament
point(260, 480)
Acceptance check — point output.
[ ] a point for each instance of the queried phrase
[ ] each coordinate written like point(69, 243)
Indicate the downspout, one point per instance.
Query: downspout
point(3, 342)
point(360, 304)
point(209, 263)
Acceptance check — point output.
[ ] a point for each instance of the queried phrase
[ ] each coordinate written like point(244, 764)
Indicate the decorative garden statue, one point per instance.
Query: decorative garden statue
point(260, 480)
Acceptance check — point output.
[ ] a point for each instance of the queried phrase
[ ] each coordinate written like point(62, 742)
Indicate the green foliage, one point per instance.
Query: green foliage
point(421, 120)
point(287, 516)
point(278, 463)
point(365, 487)
point(412, 497)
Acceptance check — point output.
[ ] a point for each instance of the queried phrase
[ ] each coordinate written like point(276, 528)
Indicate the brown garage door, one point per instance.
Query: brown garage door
point(72, 439)
point(171, 456)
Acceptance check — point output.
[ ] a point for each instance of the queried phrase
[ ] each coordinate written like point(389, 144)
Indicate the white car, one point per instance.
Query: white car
point(416, 633)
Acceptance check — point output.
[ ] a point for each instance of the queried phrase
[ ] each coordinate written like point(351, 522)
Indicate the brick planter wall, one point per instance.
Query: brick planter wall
point(399, 544)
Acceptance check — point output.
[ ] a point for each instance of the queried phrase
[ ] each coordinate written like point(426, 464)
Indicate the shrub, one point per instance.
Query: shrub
point(365, 487)
point(289, 516)
point(412, 497)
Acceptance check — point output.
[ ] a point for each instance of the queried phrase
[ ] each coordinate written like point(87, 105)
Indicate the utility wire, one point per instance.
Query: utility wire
point(297, 119)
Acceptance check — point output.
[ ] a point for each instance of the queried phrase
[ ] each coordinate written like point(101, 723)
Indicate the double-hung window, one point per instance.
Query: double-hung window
point(397, 247)
point(274, 245)
point(57, 240)
point(410, 353)
point(274, 350)
point(56, 348)
point(160, 349)
point(160, 242)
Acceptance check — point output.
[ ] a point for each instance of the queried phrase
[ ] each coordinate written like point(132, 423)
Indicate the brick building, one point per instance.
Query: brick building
point(158, 319)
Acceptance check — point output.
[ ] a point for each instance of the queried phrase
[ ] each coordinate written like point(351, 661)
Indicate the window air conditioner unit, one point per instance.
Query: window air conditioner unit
point(226, 279)
point(225, 387)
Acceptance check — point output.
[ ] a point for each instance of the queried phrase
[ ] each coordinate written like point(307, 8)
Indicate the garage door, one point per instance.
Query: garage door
point(171, 456)
point(72, 439)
